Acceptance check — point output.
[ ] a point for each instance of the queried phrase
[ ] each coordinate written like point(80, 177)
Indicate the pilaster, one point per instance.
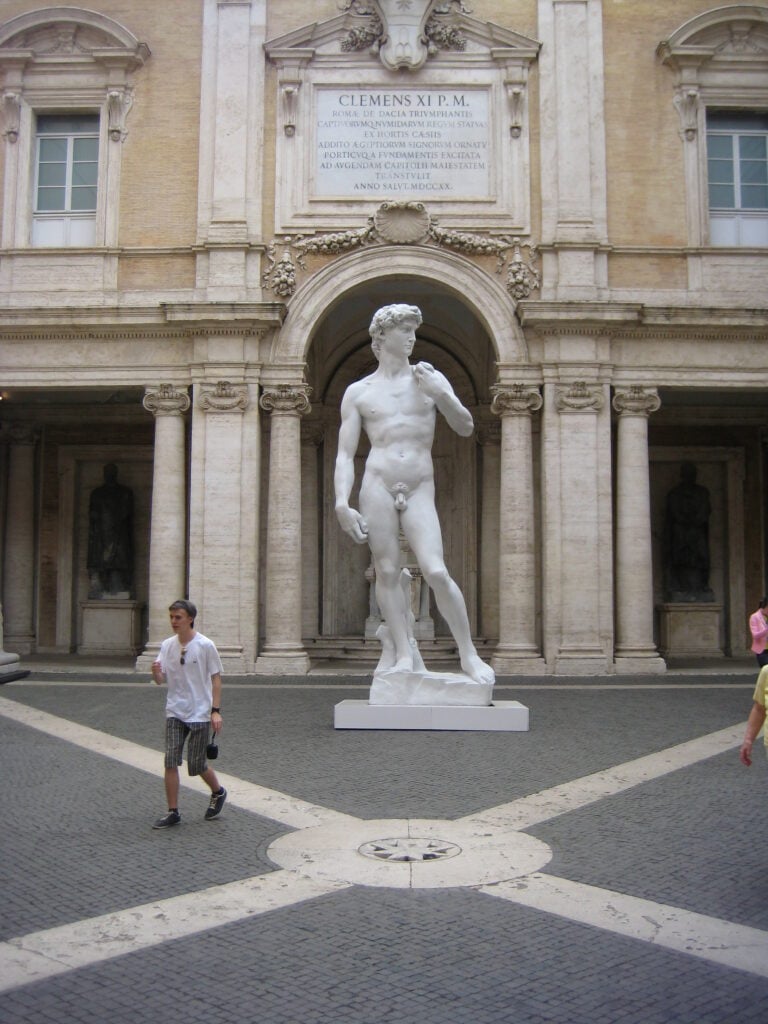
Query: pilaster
point(223, 563)
point(574, 201)
point(576, 495)
point(231, 147)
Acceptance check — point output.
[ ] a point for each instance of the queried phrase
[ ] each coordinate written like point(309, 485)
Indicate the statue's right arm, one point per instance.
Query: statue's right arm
point(344, 476)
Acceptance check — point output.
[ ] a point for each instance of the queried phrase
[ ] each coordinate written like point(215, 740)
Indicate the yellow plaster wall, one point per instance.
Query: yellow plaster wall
point(646, 185)
point(159, 168)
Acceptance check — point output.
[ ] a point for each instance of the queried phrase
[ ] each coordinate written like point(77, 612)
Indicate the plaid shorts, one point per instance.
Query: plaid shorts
point(176, 733)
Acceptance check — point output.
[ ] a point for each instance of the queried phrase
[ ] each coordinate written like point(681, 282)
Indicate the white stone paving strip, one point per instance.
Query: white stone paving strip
point(45, 954)
point(720, 942)
point(269, 803)
point(570, 796)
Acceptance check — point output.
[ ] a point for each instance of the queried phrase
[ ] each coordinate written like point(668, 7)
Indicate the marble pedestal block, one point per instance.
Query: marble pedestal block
point(110, 627)
point(690, 630)
point(501, 716)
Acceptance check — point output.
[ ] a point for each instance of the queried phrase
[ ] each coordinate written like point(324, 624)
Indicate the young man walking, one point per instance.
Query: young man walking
point(190, 665)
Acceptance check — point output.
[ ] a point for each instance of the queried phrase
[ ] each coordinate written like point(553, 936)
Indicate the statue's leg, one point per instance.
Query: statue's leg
point(377, 507)
point(422, 530)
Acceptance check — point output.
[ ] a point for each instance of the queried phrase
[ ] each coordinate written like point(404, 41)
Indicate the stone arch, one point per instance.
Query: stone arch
point(486, 297)
point(714, 19)
point(117, 35)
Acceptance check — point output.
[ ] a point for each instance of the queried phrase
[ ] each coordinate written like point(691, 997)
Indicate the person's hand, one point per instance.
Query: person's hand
point(216, 722)
point(352, 523)
point(157, 673)
point(431, 381)
point(745, 754)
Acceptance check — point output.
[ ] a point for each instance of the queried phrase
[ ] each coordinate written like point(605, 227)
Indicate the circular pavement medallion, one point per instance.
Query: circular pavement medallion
point(409, 849)
point(416, 853)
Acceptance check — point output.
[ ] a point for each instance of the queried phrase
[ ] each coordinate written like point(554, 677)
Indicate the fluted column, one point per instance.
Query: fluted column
point(518, 650)
point(168, 526)
point(19, 559)
point(635, 649)
point(284, 652)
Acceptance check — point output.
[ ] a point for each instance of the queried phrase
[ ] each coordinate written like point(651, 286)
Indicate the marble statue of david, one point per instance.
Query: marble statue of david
point(397, 407)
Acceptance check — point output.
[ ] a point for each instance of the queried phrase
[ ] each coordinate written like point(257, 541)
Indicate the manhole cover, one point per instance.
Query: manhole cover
point(405, 850)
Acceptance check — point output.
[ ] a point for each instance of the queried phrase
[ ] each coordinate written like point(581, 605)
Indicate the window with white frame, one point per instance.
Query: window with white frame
point(720, 61)
point(66, 179)
point(737, 169)
point(63, 135)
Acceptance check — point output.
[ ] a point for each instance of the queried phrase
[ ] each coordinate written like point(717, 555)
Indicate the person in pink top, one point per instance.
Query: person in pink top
point(758, 627)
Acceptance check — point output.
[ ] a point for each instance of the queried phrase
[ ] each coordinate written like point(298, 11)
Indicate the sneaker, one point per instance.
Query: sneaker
point(171, 818)
point(217, 802)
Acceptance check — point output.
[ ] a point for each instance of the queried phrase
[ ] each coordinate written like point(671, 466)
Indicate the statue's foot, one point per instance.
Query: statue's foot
point(477, 669)
point(404, 664)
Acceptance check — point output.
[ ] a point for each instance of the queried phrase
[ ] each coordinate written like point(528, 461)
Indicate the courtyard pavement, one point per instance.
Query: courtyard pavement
point(609, 866)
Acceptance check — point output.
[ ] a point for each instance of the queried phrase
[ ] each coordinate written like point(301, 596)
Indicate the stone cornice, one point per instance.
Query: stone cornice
point(163, 319)
point(618, 319)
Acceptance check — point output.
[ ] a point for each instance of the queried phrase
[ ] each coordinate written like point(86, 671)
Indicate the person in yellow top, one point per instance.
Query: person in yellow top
point(756, 717)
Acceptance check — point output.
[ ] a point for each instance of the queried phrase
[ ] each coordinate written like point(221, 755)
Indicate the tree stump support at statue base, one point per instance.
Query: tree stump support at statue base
point(690, 630)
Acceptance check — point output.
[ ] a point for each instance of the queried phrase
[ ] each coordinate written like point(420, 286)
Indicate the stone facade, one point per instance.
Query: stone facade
point(531, 173)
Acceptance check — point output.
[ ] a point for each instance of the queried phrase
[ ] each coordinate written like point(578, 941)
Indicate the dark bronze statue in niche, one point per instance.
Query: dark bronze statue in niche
point(110, 539)
point(686, 540)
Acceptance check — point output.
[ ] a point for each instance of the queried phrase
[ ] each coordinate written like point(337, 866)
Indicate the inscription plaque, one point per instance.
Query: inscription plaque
point(382, 142)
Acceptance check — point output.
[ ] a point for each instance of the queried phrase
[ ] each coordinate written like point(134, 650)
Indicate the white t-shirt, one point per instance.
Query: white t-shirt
point(190, 690)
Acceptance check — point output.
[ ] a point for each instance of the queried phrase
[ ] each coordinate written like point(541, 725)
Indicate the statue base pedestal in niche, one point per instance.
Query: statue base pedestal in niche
point(110, 626)
point(502, 716)
point(690, 630)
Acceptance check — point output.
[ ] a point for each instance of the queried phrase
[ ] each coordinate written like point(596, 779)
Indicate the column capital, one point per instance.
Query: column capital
point(165, 400)
point(636, 400)
point(515, 399)
point(224, 397)
point(286, 398)
point(20, 432)
point(579, 397)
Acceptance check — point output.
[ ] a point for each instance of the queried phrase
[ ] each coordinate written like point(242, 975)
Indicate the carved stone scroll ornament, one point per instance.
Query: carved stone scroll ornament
point(223, 397)
point(119, 102)
point(686, 101)
point(166, 400)
point(515, 399)
point(579, 397)
point(286, 398)
point(11, 115)
point(405, 223)
point(636, 401)
point(404, 33)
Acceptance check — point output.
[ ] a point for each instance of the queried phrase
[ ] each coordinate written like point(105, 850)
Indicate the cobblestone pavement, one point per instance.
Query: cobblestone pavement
point(650, 905)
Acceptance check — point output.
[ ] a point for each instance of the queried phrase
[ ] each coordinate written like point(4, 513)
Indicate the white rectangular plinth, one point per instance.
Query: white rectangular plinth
point(501, 716)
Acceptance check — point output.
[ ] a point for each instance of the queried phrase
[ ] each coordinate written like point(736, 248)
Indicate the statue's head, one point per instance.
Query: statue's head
point(110, 473)
point(389, 316)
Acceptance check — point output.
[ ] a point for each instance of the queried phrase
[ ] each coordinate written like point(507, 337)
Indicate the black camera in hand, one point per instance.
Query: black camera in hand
point(212, 750)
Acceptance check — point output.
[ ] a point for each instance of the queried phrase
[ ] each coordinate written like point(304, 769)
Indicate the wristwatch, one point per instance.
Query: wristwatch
point(217, 710)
